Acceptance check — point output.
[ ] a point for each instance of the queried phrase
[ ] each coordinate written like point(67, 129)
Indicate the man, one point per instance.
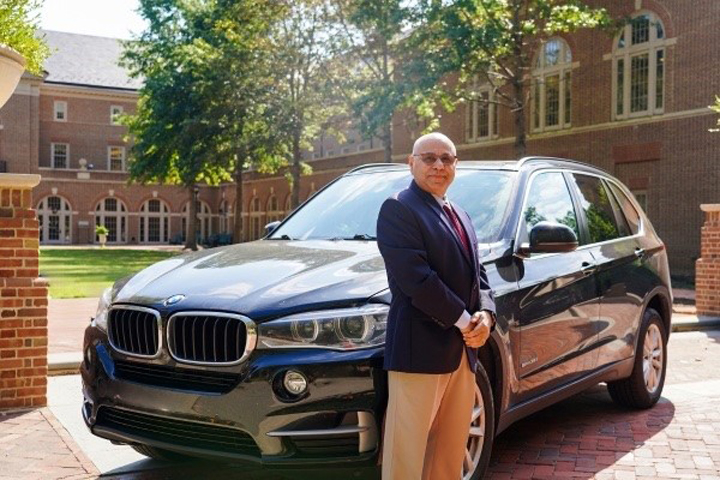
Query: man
point(430, 252)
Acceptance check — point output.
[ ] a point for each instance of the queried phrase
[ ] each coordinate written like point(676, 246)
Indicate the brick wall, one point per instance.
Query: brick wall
point(707, 269)
point(23, 298)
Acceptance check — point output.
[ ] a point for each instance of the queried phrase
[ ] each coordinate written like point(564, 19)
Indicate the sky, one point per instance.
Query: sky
point(105, 18)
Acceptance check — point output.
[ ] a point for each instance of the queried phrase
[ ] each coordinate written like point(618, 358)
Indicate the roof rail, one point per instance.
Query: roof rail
point(525, 160)
point(373, 165)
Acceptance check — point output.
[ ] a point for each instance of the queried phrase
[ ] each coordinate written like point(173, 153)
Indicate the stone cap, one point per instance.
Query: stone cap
point(18, 180)
point(710, 207)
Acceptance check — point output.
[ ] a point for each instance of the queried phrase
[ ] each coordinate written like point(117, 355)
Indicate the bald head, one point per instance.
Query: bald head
point(433, 141)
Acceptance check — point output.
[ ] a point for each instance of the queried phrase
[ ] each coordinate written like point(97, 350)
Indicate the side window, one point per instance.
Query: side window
point(631, 215)
point(596, 202)
point(549, 200)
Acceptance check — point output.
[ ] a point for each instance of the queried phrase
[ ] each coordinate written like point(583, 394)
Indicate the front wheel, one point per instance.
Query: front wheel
point(482, 429)
point(644, 386)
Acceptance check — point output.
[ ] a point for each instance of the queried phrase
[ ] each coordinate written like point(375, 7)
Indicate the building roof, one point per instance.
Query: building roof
point(86, 60)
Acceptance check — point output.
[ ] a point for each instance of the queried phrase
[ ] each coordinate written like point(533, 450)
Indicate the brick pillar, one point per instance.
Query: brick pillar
point(23, 298)
point(707, 267)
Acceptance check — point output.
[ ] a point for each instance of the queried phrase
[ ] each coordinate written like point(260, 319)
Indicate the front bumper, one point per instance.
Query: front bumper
point(247, 418)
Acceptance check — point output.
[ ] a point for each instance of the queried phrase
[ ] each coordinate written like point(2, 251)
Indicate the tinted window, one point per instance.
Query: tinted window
point(598, 208)
point(549, 200)
point(350, 206)
point(631, 215)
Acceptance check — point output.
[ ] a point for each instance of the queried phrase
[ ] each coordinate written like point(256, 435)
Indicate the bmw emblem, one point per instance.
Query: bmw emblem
point(170, 301)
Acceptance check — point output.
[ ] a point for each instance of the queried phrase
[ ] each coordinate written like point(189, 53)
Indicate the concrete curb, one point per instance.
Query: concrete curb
point(69, 363)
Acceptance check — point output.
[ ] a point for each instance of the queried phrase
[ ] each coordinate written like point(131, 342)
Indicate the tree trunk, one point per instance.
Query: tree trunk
point(387, 141)
point(238, 224)
point(190, 235)
point(295, 168)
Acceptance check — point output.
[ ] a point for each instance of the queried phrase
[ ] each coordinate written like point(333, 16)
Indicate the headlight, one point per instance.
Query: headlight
point(341, 329)
point(100, 319)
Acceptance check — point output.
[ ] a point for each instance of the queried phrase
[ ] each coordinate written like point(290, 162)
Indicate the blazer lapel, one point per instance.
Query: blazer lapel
point(469, 231)
point(435, 207)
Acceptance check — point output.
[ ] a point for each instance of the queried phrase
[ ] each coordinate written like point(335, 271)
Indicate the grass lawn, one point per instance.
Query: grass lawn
point(76, 273)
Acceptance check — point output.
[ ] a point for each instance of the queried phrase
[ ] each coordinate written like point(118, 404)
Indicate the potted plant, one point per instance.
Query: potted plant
point(101, 231)
point(20, 48)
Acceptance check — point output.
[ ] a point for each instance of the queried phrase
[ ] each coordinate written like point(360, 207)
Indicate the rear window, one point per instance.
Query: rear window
point(631, 215)
point(599, 213)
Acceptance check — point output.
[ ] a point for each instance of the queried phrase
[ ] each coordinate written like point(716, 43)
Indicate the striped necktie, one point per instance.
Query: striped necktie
point(458, 228)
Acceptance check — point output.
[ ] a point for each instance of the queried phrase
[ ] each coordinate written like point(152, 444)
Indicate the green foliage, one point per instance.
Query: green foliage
point(101, 230)
point(716, 109)
point(18, 26)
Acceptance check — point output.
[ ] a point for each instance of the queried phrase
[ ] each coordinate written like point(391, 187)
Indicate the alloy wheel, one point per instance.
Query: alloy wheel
point(652, 358)
point(476, 437)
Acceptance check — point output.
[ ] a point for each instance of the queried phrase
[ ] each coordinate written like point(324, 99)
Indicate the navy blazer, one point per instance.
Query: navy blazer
point(432, 280)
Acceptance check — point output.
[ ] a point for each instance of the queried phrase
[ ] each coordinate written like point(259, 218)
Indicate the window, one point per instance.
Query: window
point(631, 215)
point(203, 228)
point(54, 219)
point(597, 205)
point(116, 159)
point(641, 197)
point(112, 213)
point(273, 209)
point(154, 221)
point(330, 153)
point(60, 155)
point(255, 218)
point(552, 82)
point(639, 68)
point(481, 115)
point(548, 199)
point(115, 112)
point(60, 111)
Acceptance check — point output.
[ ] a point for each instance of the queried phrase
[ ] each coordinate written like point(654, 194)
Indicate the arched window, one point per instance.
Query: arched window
point(154, 222)
point(204, 228)
point(273, 209)
point(639, 67)
point(55, 218)
point(481, 114)
point(225, 213)
point(288, 204)
point(112, 213)
point(552, 82)
point(256, 215)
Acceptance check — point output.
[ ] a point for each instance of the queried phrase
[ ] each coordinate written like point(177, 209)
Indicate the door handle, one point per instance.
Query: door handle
point(639, 252)
point(588, 268)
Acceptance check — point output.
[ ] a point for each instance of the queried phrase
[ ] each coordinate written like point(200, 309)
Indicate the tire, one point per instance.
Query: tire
point(160, 453)
point(482, 429)
point(644, 386)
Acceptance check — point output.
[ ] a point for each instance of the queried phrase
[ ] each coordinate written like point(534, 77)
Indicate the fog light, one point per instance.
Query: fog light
point(295, 382)
point(88, 356)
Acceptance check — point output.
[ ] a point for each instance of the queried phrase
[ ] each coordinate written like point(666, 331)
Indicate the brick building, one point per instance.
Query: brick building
point(635, 105)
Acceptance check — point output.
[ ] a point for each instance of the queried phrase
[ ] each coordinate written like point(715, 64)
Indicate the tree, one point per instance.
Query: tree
point(494, 40)
point(18, 30)
point(203, 113)
point(369, 40)
point(300, 57)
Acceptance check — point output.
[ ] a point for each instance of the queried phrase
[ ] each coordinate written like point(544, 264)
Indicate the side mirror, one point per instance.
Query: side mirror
point(550, 237)
point(270, 227)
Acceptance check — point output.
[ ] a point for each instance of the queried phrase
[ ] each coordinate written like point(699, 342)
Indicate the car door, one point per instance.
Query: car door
point(617, 249)
point(558, 305)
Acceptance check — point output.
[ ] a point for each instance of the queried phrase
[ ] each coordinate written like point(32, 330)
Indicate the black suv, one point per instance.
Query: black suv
point(271, 351)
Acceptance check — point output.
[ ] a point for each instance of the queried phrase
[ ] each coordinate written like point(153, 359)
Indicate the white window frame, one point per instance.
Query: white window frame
point(641, 192)
point(121, 216)
point(472, 111)
point(109, 158)
point(113, 115)
point(626, 53)
point(539, 74)
point(60, 106)
point(67, 155)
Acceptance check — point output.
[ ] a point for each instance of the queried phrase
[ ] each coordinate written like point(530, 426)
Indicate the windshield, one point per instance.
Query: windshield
point(348, 209)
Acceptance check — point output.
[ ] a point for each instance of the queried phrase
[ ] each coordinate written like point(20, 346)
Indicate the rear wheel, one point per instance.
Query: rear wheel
point(160, 453)
point(644, 386)
point(482, 429)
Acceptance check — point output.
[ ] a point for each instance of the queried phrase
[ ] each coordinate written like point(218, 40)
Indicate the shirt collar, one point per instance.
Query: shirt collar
point(442, 201)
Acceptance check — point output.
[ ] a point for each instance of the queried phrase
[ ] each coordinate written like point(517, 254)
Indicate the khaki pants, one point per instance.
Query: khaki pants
point(427, 424)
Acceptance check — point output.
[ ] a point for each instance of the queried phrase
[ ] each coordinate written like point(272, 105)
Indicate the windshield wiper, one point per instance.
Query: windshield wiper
point(283, 237)
point(363, 236)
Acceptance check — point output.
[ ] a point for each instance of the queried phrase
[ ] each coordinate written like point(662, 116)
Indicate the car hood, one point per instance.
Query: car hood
point(262, 279)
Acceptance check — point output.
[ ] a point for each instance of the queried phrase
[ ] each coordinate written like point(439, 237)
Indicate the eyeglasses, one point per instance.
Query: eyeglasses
point(431, 158)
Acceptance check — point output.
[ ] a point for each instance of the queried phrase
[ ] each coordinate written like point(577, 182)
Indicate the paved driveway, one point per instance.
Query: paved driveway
point(585, 437)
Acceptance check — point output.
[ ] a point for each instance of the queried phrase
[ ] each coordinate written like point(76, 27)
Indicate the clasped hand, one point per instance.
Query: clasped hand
point(478, 330)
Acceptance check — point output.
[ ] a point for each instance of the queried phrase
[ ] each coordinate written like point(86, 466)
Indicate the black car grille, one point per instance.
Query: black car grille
point(178, 379)
point(207, 338)
point(177, 432)
point(336, 445)
point(134, 330)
